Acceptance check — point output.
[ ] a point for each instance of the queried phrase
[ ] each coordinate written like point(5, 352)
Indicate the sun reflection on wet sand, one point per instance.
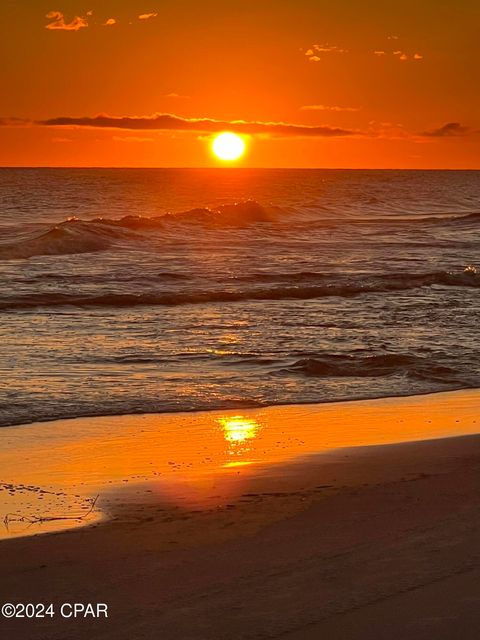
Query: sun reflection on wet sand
point(237, 429)
point(200, 460)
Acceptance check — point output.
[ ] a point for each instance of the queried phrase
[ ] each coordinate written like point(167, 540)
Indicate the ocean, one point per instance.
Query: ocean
point(163, 290)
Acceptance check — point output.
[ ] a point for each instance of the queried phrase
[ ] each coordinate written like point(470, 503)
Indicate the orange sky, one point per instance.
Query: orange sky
point(377, 84)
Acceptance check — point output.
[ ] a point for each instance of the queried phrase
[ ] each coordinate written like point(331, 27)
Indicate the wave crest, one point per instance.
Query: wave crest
point(238, 214)
point(373, 366)
point(69, 237)
point(84, 236)
point(342, 288)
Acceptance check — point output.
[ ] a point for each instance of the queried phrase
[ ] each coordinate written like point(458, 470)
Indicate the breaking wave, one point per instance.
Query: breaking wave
point(70, 237)
point(237, 215)
point(75, 236)
point(84, 236)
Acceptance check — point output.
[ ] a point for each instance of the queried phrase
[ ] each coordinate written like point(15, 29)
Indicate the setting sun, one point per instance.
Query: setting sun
point(228, 146)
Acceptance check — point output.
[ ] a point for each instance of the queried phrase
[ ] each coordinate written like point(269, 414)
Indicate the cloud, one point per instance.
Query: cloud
point(388, 130)
point(132, 139)
point(325, 107)
point(15, 122)
point(169, 122)
point(58, 22)
point(328, 48)
point(176, 95)
point(110, 22)
point(396, 131)
point(147, 16)
point(400, 55)
point(207, 126)
point(315, 49)
point(451, 129)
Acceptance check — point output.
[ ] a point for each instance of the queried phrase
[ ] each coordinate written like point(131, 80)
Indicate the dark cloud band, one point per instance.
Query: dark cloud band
point(168, 122)
point(448, 130)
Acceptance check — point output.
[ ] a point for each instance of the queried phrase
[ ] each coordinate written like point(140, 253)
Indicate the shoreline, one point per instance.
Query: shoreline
point(247, 407)
point(52, 473)
point(295, 523)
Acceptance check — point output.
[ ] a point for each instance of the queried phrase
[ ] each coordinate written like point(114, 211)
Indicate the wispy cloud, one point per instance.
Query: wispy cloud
point(449, 129)
point(166, 121)
point(15, 122)
point(313, 52)
point(326, 107)
point(132, 139)
point(177, 96)
point(328, 48)
point(396, 131)
point(388, 130)
point(399, 54)
point(147, 16)
point(58, 22)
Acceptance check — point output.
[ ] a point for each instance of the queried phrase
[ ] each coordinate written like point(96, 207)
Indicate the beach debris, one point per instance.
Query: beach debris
point(33, 519)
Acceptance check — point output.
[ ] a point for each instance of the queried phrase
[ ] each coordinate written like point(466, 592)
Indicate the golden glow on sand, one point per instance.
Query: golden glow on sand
point(197, 460)
point(228, 146)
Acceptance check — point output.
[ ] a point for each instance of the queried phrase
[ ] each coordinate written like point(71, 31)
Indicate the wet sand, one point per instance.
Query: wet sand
point(289, 522)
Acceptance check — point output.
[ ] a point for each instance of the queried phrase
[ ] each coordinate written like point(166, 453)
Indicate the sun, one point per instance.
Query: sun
point(228, 146)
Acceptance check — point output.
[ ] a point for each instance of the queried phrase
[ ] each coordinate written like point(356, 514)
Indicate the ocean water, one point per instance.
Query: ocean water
point(126, 291)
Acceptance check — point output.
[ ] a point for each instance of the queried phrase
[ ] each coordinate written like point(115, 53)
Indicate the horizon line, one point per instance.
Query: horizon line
point(82, 167)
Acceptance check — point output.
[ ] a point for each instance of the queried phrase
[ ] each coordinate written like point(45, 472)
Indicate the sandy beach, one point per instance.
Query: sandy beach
point(316, 531)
